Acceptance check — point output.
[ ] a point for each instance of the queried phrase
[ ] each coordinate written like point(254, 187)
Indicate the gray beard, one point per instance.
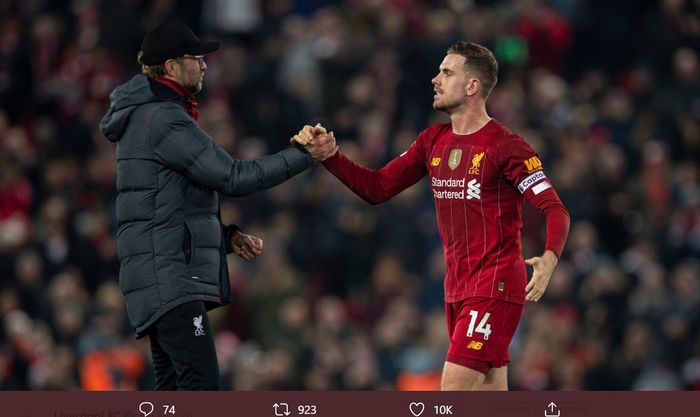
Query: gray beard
point(194, 89)
point(193, 85)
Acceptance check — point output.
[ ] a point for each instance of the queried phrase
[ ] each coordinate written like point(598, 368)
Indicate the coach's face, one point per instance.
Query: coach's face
point(450, 84)
point(190, 72)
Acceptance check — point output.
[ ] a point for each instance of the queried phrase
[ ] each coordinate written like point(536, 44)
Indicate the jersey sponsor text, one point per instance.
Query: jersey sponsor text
point(447, 182)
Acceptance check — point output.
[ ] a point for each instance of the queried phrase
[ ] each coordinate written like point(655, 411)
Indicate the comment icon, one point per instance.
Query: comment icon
point(146, 408)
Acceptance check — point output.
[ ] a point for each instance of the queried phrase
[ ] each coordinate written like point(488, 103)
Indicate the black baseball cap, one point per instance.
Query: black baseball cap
point(171, 40)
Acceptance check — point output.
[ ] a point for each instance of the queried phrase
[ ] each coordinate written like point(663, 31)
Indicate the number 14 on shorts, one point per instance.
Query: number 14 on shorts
point(483, 327)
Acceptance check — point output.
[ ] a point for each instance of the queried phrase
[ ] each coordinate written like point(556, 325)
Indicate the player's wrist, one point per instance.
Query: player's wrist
point(550, 256)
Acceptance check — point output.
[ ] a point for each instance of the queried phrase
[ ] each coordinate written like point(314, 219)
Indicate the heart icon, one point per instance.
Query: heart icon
point(416, 408)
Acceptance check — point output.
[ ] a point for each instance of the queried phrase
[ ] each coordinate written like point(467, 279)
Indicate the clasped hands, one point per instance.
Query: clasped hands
point(319, 143)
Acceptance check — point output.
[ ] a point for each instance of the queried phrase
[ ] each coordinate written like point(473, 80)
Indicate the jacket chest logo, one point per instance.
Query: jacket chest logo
point(476, 163)
point(455, 158)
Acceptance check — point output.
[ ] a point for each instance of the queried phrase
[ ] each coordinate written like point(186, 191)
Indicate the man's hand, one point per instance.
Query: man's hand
point(308, 133)
point(320, 144)
point(246, 246)
point(543, 267)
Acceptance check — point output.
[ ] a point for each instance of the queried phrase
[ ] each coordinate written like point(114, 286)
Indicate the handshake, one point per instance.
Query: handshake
point(319, 143)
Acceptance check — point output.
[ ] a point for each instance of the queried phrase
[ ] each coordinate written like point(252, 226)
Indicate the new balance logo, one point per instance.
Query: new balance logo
point(473, 190)
point(198, 328)
point(475, 345)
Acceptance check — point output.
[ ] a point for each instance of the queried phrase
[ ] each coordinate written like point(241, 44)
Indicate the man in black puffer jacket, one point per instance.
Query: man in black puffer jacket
point(171, 242)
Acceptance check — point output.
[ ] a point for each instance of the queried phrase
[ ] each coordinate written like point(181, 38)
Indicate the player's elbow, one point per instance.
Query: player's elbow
point(556, 209)
point(372, 197)
point(560, 213)
point(374, 201)
point(565, 214)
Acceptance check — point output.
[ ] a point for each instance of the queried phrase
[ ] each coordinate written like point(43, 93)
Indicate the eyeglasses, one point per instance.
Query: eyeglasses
point(198, 58)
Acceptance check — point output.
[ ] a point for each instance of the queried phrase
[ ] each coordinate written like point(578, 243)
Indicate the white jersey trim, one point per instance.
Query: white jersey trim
point(541, 187)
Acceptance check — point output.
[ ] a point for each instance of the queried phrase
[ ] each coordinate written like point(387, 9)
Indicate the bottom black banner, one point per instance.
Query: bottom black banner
point(346, 404)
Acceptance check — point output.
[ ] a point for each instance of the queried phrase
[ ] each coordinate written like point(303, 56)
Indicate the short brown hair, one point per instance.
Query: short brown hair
point(150, 71)
point(480, 61)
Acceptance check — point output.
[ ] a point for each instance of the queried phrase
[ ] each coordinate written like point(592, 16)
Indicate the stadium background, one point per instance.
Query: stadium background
point(348, 295)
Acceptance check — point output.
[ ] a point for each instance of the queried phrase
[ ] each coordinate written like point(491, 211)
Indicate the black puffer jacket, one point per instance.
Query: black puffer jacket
point(171, 241)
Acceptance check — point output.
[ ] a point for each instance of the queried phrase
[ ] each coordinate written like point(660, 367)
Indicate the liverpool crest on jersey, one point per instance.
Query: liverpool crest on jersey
point(455, 158)
point(476, 163)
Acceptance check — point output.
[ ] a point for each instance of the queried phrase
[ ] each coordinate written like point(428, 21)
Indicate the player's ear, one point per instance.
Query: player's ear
point(473, 86)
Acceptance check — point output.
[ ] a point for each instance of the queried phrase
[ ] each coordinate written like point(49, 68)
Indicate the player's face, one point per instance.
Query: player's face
point(450, 84)
point(191, 74)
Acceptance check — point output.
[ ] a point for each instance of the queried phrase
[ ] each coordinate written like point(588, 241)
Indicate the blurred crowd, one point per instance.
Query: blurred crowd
point(348, 295)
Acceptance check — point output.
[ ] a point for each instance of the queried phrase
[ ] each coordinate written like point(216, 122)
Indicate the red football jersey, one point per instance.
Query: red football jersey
point(479, 182)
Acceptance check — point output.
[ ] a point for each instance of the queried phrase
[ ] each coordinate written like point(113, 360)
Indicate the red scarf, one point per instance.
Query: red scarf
point(186, 97)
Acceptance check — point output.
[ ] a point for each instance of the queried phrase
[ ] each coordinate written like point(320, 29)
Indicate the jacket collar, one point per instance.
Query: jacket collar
point(167, 89)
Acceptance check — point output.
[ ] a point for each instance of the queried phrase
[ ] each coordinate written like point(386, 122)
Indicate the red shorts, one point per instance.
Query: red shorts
point(480, 332)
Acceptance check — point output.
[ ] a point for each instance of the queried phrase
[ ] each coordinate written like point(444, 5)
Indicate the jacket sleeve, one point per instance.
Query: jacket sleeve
point(229, 232)
point(182, 146)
